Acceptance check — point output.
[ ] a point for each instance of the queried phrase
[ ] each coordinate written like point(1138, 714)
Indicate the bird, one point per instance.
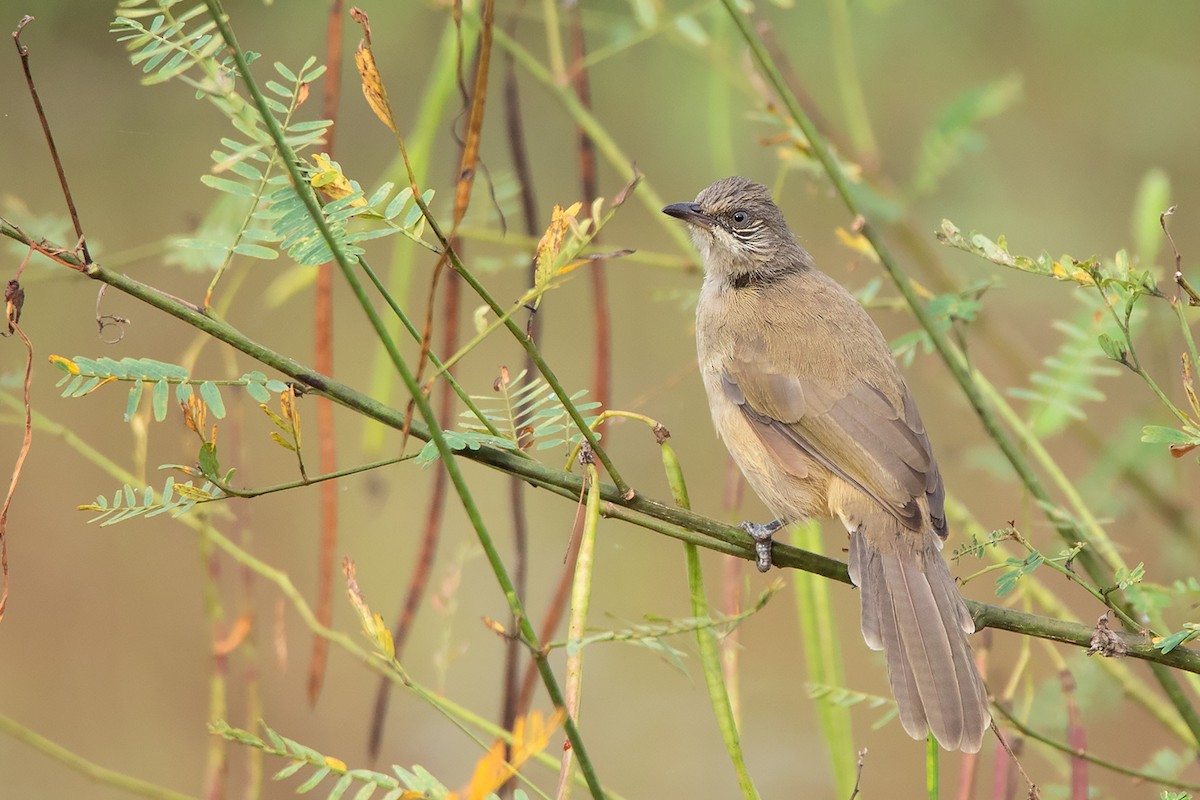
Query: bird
point(806, 396)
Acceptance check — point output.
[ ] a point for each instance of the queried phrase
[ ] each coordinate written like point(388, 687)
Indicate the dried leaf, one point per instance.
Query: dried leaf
point(372, 84)
point(236, 635)
point(1189, 385)
point(628, 188)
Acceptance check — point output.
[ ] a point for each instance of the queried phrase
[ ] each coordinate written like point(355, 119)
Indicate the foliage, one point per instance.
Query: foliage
point(528, 415)
point(403, 784)
point(86, 375)
point(174, 498)
point(264, 180)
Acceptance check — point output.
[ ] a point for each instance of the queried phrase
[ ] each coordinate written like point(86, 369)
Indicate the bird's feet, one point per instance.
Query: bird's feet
point(761, 533)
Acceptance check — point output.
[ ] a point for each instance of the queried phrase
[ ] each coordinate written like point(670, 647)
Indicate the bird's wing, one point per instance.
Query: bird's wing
point(855, 432)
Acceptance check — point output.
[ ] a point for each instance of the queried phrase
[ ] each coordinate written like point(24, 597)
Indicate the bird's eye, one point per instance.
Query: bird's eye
point(739, 217)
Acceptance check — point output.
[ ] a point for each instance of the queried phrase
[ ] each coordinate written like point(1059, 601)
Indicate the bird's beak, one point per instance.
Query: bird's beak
point(691, 213)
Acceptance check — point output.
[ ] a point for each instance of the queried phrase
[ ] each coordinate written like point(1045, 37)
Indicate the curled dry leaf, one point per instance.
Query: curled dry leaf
point(372, 83)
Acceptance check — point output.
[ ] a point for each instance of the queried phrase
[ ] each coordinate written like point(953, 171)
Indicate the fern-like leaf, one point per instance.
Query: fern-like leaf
point(84, 375)
point(174, 498)
point(526, 414)
point(318, 767)
point(1068, 378)
point(848, 698)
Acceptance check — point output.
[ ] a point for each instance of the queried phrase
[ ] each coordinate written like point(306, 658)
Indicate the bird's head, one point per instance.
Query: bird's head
point(740, 232)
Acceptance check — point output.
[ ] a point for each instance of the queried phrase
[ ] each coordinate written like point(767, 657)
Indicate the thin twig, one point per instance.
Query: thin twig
point(89, 769)
point(639, 510)
point(26, 441)
point(1064, 747)
point(601, 324)
point(414, 389)
point(323, 360)
point(1181, 283)
point(23, 51)
point(422, 567)
point(514, 702)
point(862, 758)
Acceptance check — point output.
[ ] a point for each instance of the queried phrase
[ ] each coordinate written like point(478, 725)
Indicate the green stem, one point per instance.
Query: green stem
point(437, 363)
point(1086, 756)
point(642, 511)
point(706, 639)
point(558, 62)
point(1095, 536)
point(435, 95)
point(89, 769)
point(414, 390)
point(390, 669)
point(823, 659)
point(854, 105)
point(581, 592)
point(932, 753)
point(283, 487)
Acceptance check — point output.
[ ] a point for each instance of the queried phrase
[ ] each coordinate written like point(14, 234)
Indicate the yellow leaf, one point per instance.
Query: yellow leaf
point(531, 734)
point(279, 421)
point(857, 242)
point(372, 83)
point(490, 774)
point(383, 638)
point(192, 492)
point(336, 764)
point(284, 443)
point(550, 245)
point(65, 363)
point(331, 183)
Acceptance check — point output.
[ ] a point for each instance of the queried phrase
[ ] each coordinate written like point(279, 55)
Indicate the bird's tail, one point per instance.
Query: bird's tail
point(913, 612)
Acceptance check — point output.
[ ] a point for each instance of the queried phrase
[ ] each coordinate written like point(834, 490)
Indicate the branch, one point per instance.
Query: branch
point(643, 511)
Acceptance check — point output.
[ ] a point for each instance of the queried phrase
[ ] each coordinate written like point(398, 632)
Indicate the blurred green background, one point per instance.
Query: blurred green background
point(105, 647)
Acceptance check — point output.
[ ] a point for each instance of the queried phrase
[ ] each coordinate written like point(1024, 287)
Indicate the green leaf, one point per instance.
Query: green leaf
point(1112, 348)
point(228, 186)
point(160, 397)
point(258, 391)
point(313, 781)
point(339, 788)
point(209, 464)
point(1157, 434)
point(135, 397)
point(953, 134)
point(255, 251)
point(72, 386)
point(211, 396)
point(1169, 643)
point(402, 198)
point(1153, 198)
point(288, 771)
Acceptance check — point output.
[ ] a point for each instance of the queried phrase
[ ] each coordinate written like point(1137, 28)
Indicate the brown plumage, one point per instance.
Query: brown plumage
point(805, 394)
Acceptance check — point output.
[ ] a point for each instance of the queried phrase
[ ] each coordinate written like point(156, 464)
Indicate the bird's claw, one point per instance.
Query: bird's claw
point(761, 533)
